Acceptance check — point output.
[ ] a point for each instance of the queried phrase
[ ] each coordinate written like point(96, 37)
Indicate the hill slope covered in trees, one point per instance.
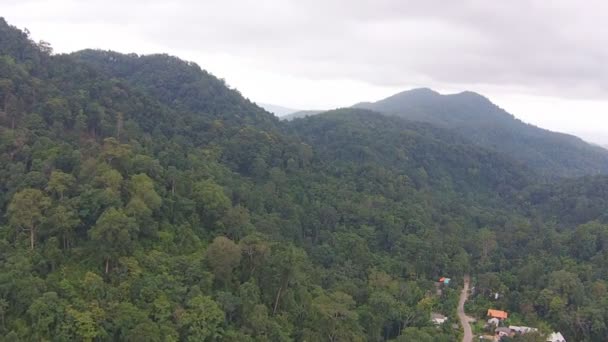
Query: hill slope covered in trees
point(485, 124)
point(143, 200)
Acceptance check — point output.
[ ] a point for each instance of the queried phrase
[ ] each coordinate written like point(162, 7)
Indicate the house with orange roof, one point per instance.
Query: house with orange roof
point(502, 315)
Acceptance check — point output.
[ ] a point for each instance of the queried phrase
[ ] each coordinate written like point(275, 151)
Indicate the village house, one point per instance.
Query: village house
point(438, 318)
point(503, 332)
point(494, 321)
point(501, 315)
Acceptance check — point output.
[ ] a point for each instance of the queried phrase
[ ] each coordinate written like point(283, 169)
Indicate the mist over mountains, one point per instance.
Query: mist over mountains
point(279, 111)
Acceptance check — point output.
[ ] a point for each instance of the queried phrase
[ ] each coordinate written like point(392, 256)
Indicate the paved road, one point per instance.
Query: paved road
point(464, 319)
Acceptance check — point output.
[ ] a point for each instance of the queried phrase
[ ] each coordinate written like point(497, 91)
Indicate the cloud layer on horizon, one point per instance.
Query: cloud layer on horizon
point(557, 48)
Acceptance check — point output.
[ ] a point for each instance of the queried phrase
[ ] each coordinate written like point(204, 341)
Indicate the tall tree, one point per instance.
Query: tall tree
point(113, 233)
point(223, 255)
point(63, 221)
point(27, 211)
point(59, 183)
point(211, 201)
point(202, 320)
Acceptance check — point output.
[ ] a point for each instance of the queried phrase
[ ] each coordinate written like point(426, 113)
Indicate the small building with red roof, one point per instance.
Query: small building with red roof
point(502, 315)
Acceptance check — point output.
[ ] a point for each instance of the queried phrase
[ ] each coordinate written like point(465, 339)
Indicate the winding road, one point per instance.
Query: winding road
point(464, 319)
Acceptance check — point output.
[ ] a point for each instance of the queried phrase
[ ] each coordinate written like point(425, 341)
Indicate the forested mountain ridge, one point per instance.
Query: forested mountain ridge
point(179, 84)
point(485, 124)
point(367, 138)
point(167, 207)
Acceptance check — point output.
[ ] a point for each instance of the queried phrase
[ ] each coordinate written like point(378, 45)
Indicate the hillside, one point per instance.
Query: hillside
point(181, 85)
point(516, 251)
point(301, 114)
point(485, 124)
point(570, 202)
point(427, 154)
point(143, 200)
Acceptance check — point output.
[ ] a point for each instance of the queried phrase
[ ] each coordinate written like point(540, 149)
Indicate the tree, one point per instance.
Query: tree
point(113, 233)
point(568, 286)
point(80, 326)
point(116, 154)
point(229, 303)
point(223, 256)
point(59, 183)
point(382, 308)
point(211, 201)
point(337, 318)
point(63, 221)
point(141, 187)
point(255, 249)
point(125, 317)
point(202, 320)
point(27, 211)
point(286, 268)
point(144, 201)
point(235, 223)
point(109, 178)
point(45, 314)
point(487, 239)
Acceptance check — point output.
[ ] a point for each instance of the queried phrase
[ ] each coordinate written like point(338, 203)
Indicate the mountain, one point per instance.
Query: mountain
point(279, 111)
point(182, 85)
point(141, 199)
point(485, 124)
point(412, 148)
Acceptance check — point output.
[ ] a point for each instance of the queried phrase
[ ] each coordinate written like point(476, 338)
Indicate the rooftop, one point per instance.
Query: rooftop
point(498, 314)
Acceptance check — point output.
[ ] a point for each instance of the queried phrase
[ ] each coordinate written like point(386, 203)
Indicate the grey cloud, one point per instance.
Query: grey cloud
point(557, 47)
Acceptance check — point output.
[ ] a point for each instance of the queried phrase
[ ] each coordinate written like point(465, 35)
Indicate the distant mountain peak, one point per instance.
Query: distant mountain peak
point(416, 93)
point(472, 96)
point(469, 94)
point(430, 94)
point(421, 91)
point(484, 123)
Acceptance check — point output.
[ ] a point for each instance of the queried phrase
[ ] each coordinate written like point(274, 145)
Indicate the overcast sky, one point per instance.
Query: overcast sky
point(543, 61)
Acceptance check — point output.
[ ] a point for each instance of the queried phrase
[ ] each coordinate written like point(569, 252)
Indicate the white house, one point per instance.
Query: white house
point(494, 321)
point(556, 337)
point(438, 318)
